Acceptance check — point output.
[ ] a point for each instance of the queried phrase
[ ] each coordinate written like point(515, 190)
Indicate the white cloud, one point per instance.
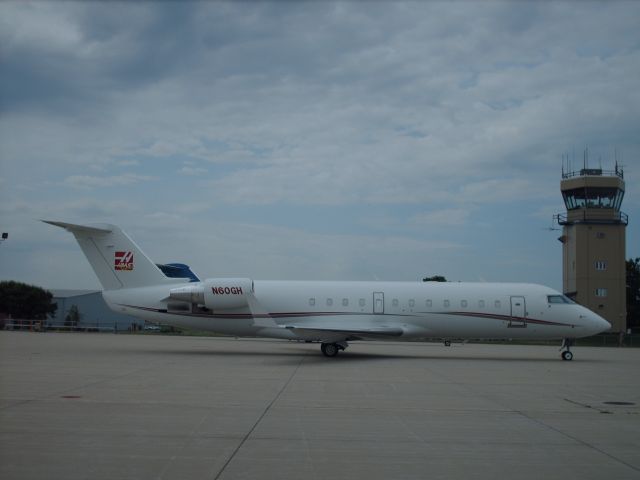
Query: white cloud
point(87, 181)
point(128, 163)
point(438, 218)
point(366, 113)
point(39, 25)
point(191, 171)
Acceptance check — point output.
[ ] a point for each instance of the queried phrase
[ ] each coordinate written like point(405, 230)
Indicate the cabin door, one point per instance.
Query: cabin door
point(518, 313)
point(378, 302)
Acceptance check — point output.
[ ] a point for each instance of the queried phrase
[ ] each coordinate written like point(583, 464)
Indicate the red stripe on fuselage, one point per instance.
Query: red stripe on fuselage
point(503, 318)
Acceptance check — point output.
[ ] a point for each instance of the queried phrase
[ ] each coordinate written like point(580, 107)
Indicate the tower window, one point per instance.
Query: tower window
point(601, 292)
point(593, 197)
point(601, 265)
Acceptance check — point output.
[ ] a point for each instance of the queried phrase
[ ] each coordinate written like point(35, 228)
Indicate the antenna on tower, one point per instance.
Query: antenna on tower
point(585, 158)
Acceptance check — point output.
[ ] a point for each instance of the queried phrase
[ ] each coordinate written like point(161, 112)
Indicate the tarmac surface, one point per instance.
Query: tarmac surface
point(103, 406)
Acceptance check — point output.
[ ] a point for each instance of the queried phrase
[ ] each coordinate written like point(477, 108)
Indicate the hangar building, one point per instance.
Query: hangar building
point(94, 312)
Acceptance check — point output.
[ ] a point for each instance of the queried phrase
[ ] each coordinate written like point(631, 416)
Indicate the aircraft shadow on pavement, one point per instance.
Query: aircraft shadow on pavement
point(313, 356)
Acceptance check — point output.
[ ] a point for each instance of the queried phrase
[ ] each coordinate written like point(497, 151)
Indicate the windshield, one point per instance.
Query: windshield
point(558, 299)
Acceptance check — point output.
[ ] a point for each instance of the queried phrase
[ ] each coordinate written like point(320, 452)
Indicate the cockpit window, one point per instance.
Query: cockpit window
point(558, 299)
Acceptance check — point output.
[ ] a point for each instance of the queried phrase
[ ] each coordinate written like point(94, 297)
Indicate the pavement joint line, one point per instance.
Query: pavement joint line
point(586, 405)
point(187, 439)
point(540, 422)
point(576, 439)
point(307, 450)
point(255, 425)
point(557, 430)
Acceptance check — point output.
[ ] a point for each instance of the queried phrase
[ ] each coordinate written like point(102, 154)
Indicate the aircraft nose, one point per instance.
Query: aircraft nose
point(600, 324)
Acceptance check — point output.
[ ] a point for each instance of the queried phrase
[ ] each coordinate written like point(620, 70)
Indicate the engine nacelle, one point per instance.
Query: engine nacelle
point(216, 293)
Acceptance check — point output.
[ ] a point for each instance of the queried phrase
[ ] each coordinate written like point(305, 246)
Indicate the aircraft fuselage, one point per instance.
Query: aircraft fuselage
point(417, 309)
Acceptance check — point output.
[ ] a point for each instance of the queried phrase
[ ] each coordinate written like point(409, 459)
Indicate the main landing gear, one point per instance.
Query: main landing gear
point(332, 349)
point(565, 349)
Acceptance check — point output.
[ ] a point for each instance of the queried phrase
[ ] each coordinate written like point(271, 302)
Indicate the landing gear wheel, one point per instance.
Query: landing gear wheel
point(329, 349)
point(566, 349)
point(447, 343)
point(567, 355)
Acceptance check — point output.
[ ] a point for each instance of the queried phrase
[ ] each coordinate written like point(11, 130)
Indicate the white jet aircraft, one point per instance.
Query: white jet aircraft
point(332, 313)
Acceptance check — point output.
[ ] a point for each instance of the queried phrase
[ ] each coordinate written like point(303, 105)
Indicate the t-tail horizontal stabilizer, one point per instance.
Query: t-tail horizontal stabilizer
point(116, 259)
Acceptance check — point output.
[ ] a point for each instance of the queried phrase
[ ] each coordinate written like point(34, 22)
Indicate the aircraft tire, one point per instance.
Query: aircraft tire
point(329, 349)
point(567, 355)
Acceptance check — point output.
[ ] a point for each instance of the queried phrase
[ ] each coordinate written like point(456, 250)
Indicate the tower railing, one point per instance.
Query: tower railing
point(615, 218)
point(594, 172)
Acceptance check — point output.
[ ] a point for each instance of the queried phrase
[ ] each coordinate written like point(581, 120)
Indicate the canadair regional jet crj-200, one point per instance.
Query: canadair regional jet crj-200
point(331, 313)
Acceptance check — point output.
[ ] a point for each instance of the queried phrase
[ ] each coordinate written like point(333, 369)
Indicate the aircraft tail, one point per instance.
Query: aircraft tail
point(116, 259)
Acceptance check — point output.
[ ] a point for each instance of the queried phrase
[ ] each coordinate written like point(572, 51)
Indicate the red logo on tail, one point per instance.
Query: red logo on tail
point(123, 261)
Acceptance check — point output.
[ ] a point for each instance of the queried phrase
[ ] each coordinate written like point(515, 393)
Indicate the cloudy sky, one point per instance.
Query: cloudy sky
point(311, 140)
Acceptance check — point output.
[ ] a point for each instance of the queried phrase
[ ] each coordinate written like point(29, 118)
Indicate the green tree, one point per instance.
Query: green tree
point(633, 293)
point(26, 301)
point(435, 278)
point(73, 317)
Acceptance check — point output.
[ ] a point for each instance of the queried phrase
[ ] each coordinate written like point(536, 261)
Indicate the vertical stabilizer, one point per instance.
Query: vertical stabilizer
point(116, 259)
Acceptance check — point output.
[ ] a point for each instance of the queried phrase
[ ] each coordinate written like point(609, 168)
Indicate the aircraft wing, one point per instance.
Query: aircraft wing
point(333, 334)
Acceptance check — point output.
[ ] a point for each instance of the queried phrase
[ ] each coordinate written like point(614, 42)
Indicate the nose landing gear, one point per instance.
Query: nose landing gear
point(566, 349)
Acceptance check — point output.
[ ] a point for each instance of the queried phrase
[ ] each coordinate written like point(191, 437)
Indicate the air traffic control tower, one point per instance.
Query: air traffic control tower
point(593, 239)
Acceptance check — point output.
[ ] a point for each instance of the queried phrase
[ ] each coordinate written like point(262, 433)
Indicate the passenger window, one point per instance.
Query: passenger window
point(361, 302)
point(395, 302)
point(497, 304)
point(412, 303)
point(481, 303)
point(463, 304)
point(447, 303)
point(312, 302)
point(329, 302)
point(429, 303)
point(345, 302)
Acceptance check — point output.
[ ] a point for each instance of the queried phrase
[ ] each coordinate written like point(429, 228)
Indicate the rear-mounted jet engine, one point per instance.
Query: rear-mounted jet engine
point(216, 293)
